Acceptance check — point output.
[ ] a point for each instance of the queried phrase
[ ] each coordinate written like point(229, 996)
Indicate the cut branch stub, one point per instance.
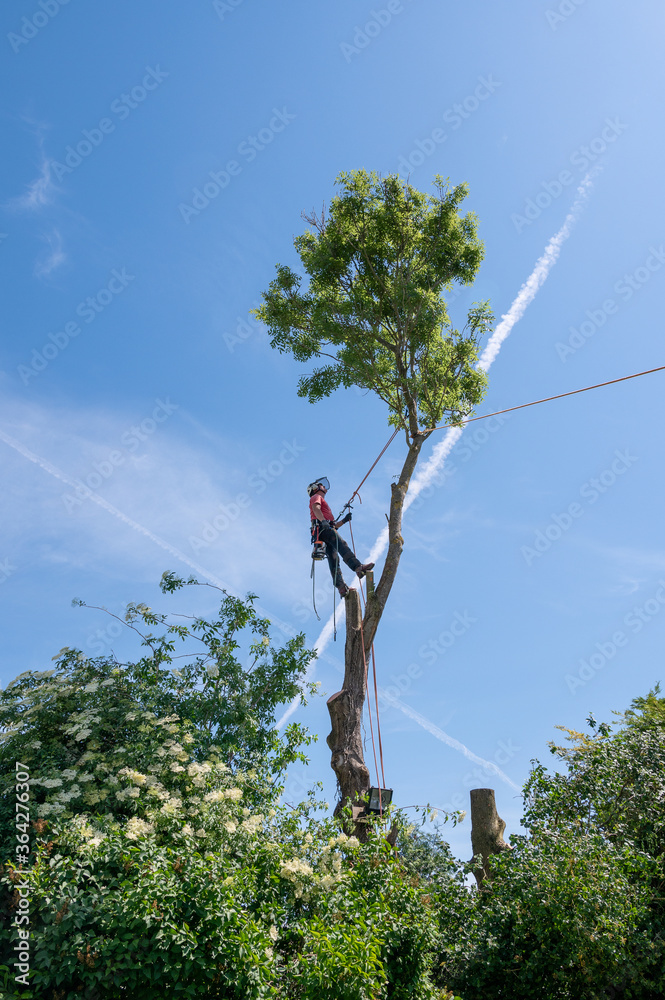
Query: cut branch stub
point(346, 712)
point(487, 829)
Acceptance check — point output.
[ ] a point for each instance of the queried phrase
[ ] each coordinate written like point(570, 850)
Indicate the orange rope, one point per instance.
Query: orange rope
point(355, 493)
point(547, 399)
point(376, 699)
point(509, 409)
point(382, 783)
point(372, 467)
point(369, 709)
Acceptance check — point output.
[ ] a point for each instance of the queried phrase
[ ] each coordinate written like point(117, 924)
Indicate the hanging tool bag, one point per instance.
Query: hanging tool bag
point(318, 546)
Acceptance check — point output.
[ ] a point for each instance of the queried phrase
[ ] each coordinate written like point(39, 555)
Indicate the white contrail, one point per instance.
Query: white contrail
point(539, 274)
point(96, 498)
point(440, 452)
point(177, 554)
point(487, 765)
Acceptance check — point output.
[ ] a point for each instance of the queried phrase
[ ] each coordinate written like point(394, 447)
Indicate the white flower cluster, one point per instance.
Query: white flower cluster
point(295, 870)
point(134, 776)
point(199, 772)
point(154, 778)
point(220, 794)
point(342, 841)
point(171, 806)
point(217, 796)
point(136, 827)
point(82, 724)
point(128, 793)
point(252, 824)
point(73, 793)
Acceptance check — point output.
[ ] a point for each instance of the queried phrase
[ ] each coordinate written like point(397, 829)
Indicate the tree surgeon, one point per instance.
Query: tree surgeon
point(324, 529)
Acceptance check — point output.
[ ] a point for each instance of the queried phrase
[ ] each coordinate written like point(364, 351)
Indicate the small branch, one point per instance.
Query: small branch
point(94, 607)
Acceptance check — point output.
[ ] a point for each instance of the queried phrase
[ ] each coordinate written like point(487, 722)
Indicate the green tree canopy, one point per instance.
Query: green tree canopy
point(379, 262)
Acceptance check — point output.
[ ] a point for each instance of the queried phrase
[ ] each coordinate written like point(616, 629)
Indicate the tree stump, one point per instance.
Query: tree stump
point(487, 829)
point(346, 713)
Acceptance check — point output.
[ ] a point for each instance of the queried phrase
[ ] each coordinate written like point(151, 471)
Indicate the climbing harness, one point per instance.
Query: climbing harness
point(318, 553)
point(319, 547)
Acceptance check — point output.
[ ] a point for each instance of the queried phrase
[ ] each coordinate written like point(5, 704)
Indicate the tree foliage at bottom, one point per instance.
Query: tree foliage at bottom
point(162, 860)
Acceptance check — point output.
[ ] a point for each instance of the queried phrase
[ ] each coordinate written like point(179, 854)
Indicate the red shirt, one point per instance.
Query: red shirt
point(325, 509)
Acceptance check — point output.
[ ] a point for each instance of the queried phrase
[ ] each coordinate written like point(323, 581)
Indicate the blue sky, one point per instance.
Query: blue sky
point(130, 362)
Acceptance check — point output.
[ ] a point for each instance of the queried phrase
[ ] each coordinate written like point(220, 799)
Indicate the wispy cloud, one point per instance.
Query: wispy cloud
point(432, 467)
point(54, 258)
point(166, 490)
point(38, 193)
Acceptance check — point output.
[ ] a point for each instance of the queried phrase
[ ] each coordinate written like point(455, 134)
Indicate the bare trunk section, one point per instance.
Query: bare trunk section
point(377, 601)
point(346, 713)
point(487, 829)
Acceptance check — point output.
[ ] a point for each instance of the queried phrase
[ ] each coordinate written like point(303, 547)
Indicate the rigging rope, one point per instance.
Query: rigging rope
point(496, 413)
point(382, 783)
point(468, 420)
point(547, 399)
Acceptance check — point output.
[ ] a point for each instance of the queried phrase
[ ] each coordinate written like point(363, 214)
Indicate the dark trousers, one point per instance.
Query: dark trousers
point(336, 547)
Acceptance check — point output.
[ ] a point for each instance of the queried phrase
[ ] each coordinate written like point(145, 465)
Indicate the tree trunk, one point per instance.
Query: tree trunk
point(346, 713)
point(377, 602)
point(486, 830)
point(346, 707)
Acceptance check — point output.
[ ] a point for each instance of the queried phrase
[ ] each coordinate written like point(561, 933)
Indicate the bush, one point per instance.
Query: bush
point(160, 859)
